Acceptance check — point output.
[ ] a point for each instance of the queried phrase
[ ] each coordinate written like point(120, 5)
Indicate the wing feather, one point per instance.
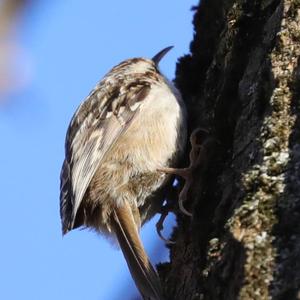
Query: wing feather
point(96, 126)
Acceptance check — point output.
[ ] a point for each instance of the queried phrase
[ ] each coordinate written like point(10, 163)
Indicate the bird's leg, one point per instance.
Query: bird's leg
point(187, 173)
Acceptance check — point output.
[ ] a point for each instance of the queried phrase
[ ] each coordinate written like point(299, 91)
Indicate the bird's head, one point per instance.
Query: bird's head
point(142, 65)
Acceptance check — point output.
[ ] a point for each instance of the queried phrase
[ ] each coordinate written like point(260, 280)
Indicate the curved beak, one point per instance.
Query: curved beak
point(156, 58)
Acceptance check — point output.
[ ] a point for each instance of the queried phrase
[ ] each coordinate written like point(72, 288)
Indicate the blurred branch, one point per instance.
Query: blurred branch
point(10, 79)
point(9, 9)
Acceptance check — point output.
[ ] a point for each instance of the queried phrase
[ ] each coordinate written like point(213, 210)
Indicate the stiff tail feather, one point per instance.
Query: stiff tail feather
point(143, 273)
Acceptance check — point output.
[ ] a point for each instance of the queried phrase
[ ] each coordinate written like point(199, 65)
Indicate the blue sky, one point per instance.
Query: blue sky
point(68, 47)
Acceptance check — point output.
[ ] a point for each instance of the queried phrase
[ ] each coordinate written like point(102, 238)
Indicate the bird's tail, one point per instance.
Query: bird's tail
point(143, 273)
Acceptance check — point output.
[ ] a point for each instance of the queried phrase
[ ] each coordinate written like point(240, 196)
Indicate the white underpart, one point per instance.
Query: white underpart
point(153, 134)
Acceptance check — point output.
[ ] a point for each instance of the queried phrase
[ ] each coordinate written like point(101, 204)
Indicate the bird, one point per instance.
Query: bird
point(130, 126)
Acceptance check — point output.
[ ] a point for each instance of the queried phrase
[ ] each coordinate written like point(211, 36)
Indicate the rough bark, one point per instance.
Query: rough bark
point(241, 82)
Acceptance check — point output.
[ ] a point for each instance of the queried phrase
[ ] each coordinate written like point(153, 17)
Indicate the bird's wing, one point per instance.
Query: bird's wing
point(95, 127)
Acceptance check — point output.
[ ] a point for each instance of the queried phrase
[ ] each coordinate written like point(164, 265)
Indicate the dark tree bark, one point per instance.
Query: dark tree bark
point(241, 82)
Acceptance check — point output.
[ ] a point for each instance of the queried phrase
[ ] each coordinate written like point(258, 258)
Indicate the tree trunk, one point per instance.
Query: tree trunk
point(241, 82)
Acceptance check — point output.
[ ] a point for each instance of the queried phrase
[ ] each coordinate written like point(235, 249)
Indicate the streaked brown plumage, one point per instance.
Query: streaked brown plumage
point(131, 125)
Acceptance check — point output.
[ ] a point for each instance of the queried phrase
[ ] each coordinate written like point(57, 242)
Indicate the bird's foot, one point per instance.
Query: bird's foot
point(160, 223)
point(187, 173)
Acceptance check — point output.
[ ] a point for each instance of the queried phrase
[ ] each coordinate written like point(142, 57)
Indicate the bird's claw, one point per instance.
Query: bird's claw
point(182, 208)
point(160, 225)
point(187, 173)
point(159, 228)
